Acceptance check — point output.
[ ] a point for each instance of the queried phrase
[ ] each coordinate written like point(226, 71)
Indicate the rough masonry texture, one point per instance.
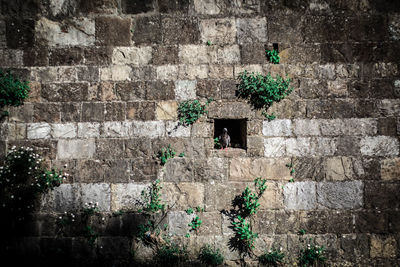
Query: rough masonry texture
point(107, 77)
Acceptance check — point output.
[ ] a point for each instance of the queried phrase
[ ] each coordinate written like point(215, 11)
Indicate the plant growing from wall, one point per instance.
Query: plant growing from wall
point(273, 56)
point(273, 257)
point(195, 223)
point(211, 256)
point(165, 154)
point(13, 92)
point(190, 111)
point(311, 254)
point(152, 197)
point(262, 91)
point(217, 143)
point(170, 254)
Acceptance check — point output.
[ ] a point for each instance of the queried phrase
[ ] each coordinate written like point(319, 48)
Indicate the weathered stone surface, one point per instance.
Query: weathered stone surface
point(185, 89)
point(97, 193)
point(165, 55)
point(113, 31)
point(343, 168)
point(197, 54)
point(20, 33)
point(183, 195)
point(381, 246)
point(277, 128)
point(160, 90)
point(140, 110)
point(379, 146)
point(66, 197)
point(75, 149)
point(390, 169)
point(77, 32)
point(248, 169)
point(218, 31)
point(371, 221)
point(38, 130)
point(92, 112)
point(310, 147)
point(42, 112)
point(300, 195)
point(306, 127)
point(89, 171)
point(210, 169)
point(272, 197)
point(381, 196)
point(66, 130)
point(88, 130)
point(116, 73)
point(167, 72)
point(115, 111)
point(148, 128)
point(126, 196)
point(184, 30)
point(132, 55)
point(109, 148)
point(137, 7)
point(178, 222)
point(340, 195)
point(179, 170)
point(193, 72)
point(274, 147)
point(63, 92)
point(251, 30)
point(11, 58)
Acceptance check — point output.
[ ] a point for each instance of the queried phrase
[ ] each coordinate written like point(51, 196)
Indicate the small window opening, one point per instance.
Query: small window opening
point(237, 130)
point(275, 46)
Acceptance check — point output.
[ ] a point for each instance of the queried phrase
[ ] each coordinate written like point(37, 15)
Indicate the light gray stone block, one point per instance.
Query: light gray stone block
point(97, 193)
point(66, 130)
point(340, 195)
point(379, 146)
point(300, 195)
point(277, 128)
point(185, 89)
point(127, 196)
point(75, 149)
point(38, 130)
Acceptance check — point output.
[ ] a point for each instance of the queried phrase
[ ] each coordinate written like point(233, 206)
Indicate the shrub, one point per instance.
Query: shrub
point(311, 254)
point(262, 91)
point(13, 92)
point(191, 110)
point(273, 56)
point(170, 255)
point(273, 257)
point(211, 256)
point(165, 154)
point(152, 197)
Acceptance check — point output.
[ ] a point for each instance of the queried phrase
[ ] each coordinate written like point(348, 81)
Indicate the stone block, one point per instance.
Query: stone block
point(230, 110)
point(109, 148)
point(116, 129)
point(66, 56)
point(65, 92)
point(390, 169)
point(160, 90)
point(167, 72)
point(148, 128)
point(288, 28)
point(371, 221)
point(20, 33)
point(44, 112)
point(88, 130)
point(38, 131)
point(146, 30)
point(178, 222)
point(174, 7)
point(89, 171)
point(274, 147)
point(127, 196)
point(117, 170)
point(255, 146)
point(193, 72)
point(140, 110)
point(75, 149)
point(100, 193)
point(183, 30)
point(251, 30)
point(387, 126)
point(115, 111)
point(248, 169)
point(211, 224)
point(221, 72)
point(92, 112)
point(210, 169)
point(165, 55)
point(304, 146)
point(174, 129)
point(277, 128)
point(300, 195)
point(183, 195)
point(137, 147)
point(98, 55)
point(354, 245)
point(209, 89)
point(388, 107)
point(185, 89)
point(306, 127)
point(252, 53)
point(228, 54)
point(272, 197)
point(340, 195)
point(179, 170)
point(137, 7)
point(77, 32)
point(197, 54)
point(343, 168)
point(11, 58)
point(209, 7)
point(126, 91)
point(381, 196)
point(144, 169)
point(66, 197)
point(383, 247)
point(65, 130)
point(67, 74)
point(113, 31)
point(132, 55)
point(218, 31)
point(379, 146)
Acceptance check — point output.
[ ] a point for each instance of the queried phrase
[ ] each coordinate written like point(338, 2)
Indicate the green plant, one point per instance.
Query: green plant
point(211, 256)
point(165, 154)
point(217, 144)
point(270, 117)
point(13, 92)
point(244, 232)
point(91, 208)
point(170, 255)
point(181, 155)
point(248, 201)
point(191, 110)
point(199, 209)
point(195, 223)
point(189, 211)
point(301, 232)
point(262, 91)
point(273, 56)
point(152, 197)
point(23, 177)
point(273, 257)
point(91, 235)
point(209, 43)
point(187, 235)
point(311, 254)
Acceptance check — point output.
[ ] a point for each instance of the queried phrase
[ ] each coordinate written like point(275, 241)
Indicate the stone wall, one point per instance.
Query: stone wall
point(107, 77)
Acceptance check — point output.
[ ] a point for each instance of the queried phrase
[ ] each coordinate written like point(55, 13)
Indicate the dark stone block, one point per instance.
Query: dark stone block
point(386, 5)
point(313, 88)
point(354, 246)
point(20, 33)
point(368, 221)
point(336, 53)
point(21, 8)
point(366, 108)
point(209, 88)
point(110, 149)
point(126, 91)
point(36, 56)
point(228, 89)
point(328, 109)
point(339, 222)
point(140, 111)
point(143, 73)
point(381, 88)
point(137, 6)
point(46, 112)
point(173, 6)
point(71, 112)
point(96, 6)
point(265, 222)
point(163, 55)
point(93, 112)
point(130, 222)
point(160, 90)
point(184, 30)
point(65, 92)
point(66, 56)
point(144, 169)
point(362, 52)
point(22, 113)
point(287, 222)
point(387, 126)
point(372, 168)
point(381, 196)
point(114, 248)
point(146, 30)
point(367, 28)
point(55, 248)
point(347, 146)
point(284, 28)
point(314, 222)
point(394, 222)
point(252, 54)
point(113, 31)
point(98, 55)
point(89, 171)
point(138, 147)
point(309, 168)
point(89, 74)
point(115, 111)
point(116, 170)
point(323, 29)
